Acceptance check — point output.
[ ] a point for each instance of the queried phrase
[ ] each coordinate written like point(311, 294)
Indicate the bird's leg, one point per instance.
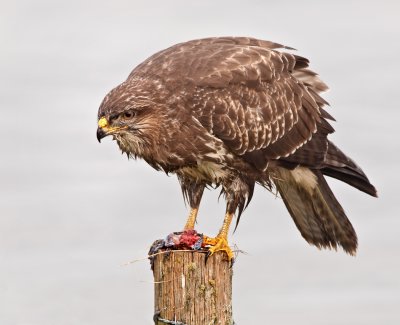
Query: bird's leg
point(191, 219)
point(236, 191)
point(193, 192)
point(220, 243)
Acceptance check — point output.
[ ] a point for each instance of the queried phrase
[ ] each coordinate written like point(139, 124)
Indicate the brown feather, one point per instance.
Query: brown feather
point(315, 211)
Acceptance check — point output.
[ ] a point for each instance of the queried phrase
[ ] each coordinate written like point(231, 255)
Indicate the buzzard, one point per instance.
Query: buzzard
point(233, 112)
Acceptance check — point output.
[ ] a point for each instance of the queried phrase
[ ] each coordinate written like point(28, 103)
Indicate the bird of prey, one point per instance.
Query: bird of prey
point(233, 112)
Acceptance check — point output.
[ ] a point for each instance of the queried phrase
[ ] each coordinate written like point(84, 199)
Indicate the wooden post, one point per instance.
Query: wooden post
point(189, 291)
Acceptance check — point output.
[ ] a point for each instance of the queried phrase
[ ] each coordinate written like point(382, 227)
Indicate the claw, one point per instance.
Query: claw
point(207, 256)
point(232, 261)
point(218, 244)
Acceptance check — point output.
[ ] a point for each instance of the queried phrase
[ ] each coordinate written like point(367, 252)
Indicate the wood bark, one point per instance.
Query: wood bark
point(190, 291)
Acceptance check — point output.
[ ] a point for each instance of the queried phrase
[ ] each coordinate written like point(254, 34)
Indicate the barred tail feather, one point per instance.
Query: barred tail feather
point(314, 209)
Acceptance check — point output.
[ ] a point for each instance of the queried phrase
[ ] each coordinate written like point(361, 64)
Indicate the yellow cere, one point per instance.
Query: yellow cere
point(103, 122)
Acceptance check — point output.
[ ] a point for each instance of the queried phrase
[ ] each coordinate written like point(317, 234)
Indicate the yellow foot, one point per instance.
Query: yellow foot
point(218, 244)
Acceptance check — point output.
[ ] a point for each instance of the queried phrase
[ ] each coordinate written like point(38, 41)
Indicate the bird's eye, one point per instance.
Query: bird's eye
point(113, 117)
point(129, 114)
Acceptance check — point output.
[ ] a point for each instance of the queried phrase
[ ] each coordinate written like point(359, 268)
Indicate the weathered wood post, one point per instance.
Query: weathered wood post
point(189, 291)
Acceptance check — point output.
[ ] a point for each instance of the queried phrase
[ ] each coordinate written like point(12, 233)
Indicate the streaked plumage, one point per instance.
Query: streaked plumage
point(234, 112)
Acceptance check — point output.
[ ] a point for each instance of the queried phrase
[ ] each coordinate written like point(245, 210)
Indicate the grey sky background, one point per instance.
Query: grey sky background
point(73, 211)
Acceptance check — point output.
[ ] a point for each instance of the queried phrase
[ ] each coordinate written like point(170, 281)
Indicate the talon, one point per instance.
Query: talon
point(207, 256)
point(218, 244)
point(232, 261)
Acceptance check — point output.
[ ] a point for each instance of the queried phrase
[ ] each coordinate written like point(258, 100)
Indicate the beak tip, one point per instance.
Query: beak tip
point(100, 134)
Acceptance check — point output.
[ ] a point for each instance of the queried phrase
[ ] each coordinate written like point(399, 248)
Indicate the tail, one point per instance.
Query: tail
point(314, 209)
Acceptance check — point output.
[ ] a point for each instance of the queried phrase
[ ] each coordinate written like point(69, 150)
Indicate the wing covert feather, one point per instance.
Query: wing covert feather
point(259, 101)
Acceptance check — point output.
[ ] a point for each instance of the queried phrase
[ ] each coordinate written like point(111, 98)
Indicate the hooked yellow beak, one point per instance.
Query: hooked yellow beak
point(105, 129)
point(102, 128)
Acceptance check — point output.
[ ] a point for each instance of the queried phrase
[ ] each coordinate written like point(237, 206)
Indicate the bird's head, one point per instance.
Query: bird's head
point(129, 119)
